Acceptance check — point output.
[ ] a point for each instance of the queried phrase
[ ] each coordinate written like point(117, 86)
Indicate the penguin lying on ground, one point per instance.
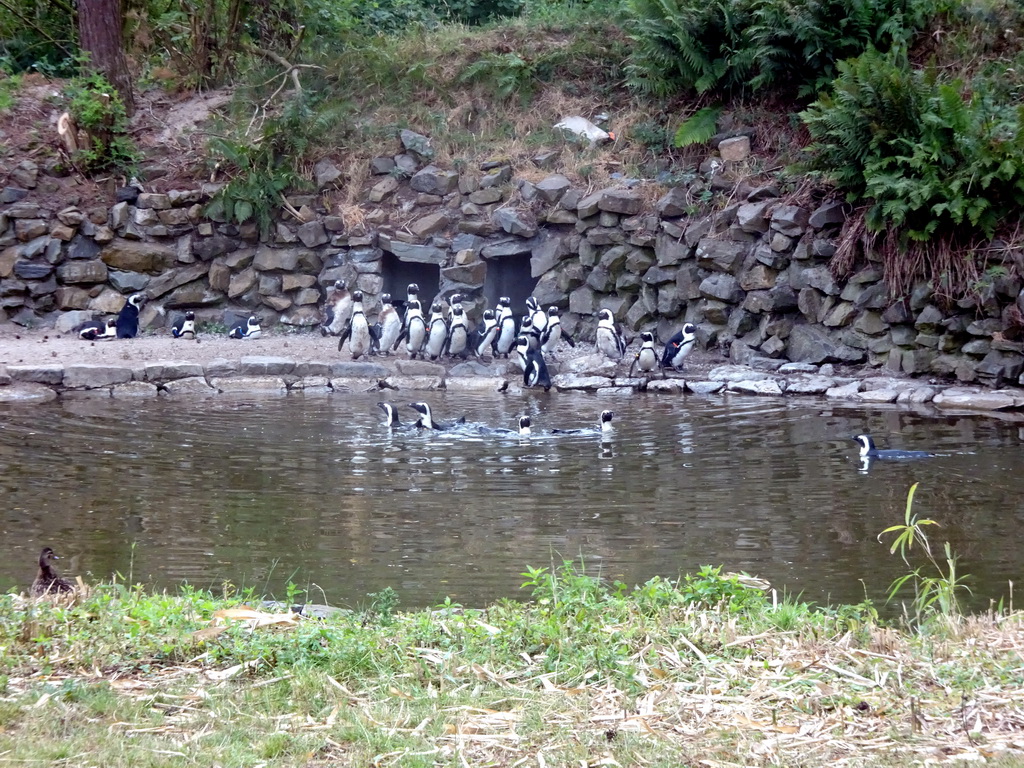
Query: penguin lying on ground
point(609, 338)
point(606, 427)
point(98, 330)
point(426, 420)
point(647, 357)
point(185, 326)
point(250, 329)
point(679, 346)
point(868, 450)
point(48, 581)
point(128, 317)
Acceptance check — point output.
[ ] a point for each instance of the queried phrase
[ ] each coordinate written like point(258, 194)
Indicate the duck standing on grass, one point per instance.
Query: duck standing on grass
point(48, 581)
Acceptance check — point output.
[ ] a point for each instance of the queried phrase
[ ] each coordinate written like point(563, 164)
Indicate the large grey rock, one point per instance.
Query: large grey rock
point(137, 256)
point(37, 374)
point(973, 399)
point(434, 181)
point(267, 259)
point(758, 387)
point(262, 365)
point(622, 201)
point(521, 223)
point(127, 282)
point(27, 393)
point(88, 376)
point(819, 278)
point(420, 254)
point(750, 217)
point(722, 287)
point(264, 385)
point(76, 272)
point(417, 143)
point(313, 233)
point(168, 281)
point(551, 188)
point(168, 370)
point(720, 255)
point(828, 214)
point(326, 173)
point(790, 220)
point(31, 270)
point(810, 344)
point(569, 382)
point(809, 385)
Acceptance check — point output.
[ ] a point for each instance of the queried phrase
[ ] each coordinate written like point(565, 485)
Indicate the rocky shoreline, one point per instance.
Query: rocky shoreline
point(38, 368)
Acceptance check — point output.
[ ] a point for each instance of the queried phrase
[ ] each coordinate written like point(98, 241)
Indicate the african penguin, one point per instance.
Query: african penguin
point(412, 295)
point(523, 431)
point(359, 334)
point(389, 323)
point(526, 329)
point(679, 346)
point(457, 343)
point(868, 450)
point(605, 426)
point(437, 332)
point(535, 370)
point(390, 415)
point(250, 329)
point(506, 337)
point(553, 333)
point(647, 358)
point(185, 326)
point(415, 332)
point(483, 337)
point(609, 338)
point(337, 309)
point(128, 317)
point(538, 319)
point(96, 330)
point(426, 420)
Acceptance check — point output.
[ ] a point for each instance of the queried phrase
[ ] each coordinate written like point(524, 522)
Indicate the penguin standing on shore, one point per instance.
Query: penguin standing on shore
point(554, 333)
point(538, 320)
point(389, 325)
point(98, 330)
point(128, 317)
point(250, 329)
point(437, 332)
point(609, 338)
point(337, 310)
point(679, 346)
point(535, 370)
point(457, 344)
point(185, 326)
point(412, 296)
point(415, 332)
point(646, 359)
point(482, 339)
point(359, 334)
point(506, 337)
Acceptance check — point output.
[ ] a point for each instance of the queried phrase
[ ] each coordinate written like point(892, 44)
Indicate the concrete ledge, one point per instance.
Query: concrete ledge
point(37, 374)
point(265, 385)
point(92, 376)
point(195, 386)
point(168, 370)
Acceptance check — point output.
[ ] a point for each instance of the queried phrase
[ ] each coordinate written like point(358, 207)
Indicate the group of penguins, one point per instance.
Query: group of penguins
point(427, 421)
point(446, 334)
point(497, 335)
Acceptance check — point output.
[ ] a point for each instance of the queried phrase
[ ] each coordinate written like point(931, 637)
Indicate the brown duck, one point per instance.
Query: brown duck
point(48, 581)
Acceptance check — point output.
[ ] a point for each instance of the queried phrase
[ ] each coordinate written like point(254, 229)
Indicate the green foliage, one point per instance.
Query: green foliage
point(932, 162)
point(931, 593)
point(476, 11)
point(504, 74)
point(382, 607)
point(38, 36)
point(729, 46)
point(98, 110)
point(265, 167)
point(698, 128)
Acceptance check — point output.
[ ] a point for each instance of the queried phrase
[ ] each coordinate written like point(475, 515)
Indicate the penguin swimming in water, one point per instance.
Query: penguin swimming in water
point(523, 431)
point(359, 334)
point(506, 337)
point(128, 317)
point(389, 325)
point(457, 343)
point(609, 338)
point(337, 310)
point(185, 326)
point(390, 415)
point(679, 346)
point(426, 420)
point(482, 339)
point(605, 427)
point(96, 330)
point(868, 450)
point(647, 357)
point(437, 332)
point(249, 330)
point(554, 333)
point(535, 370)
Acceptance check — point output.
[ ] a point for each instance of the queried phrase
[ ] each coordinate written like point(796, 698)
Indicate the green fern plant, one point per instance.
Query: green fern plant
point(698, 128)
point(504, 74)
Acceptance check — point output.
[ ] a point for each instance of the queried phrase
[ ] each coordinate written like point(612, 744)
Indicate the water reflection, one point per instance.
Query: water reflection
point(316, 490)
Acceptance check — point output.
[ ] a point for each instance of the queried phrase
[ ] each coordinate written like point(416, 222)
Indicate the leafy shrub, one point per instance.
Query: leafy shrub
point(98, 110)
point(931, 162)
point(735, 45)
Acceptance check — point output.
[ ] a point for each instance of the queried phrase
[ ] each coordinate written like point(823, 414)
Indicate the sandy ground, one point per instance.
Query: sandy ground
point(19, 346)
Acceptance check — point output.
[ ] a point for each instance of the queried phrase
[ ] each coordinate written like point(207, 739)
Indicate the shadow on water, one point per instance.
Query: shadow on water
point(315, 490)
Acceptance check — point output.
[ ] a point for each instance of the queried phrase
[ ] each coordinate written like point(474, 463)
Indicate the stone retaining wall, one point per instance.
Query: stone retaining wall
point(753, 274)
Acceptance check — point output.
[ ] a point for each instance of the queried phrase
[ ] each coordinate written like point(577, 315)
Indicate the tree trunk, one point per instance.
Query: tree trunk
point(99, 31)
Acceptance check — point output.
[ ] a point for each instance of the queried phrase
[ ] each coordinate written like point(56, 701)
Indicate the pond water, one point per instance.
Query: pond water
point(317, 491)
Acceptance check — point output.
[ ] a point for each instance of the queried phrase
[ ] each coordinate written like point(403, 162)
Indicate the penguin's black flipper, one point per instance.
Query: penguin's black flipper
point(375, 332)
point(401, 337)
point(633, 364)
point(344, 335)
point(569, 339)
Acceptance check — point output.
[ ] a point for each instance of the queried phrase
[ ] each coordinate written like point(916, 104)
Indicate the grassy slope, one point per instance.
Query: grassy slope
point(701, 671)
